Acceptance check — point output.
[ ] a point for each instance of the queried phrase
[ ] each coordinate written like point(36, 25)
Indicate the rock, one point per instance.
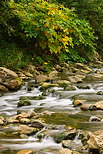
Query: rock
point(94, 119)
point(46, 85)
point(70, 88)
point(86, 107)
point(94, 77)
point(1, 120)
point(100, 93)
point(78, 102)
point(28, 114)
point(41, 78)
point(53, 74)
point(83, 86)
point(13, 119)
point(76, 78)
point(95, 142)
point(36, 124)
point(98, 62)
point(25, 152)
point(9, 79)
point(70, 134)
point(65, 151)
point(24, 120)
point(3, 88)
point(47, 113)
point(63, 83)
point(7, 74)
point(82, 66)
point(23, 129)
point(48, 133)
point(24, 103)
point(99, 105)
point(69, 144)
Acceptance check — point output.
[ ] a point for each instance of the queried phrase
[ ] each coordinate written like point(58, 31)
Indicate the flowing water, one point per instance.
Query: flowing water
point(63, 113)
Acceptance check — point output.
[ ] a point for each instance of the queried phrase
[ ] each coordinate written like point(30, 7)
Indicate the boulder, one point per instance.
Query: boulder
point(9, 79)
point(76, 78)
point(69, 144)
point(46, 85)
point(24, 103)
point(83, 86)
point(53, 74)
point(70, 134)
point(3, 88)
point(63, 83)
point(37, 124)
point(24, 120)
point(41, 78)
point(82, 66)
point(2, 120)
point(95, 142)
point(94, 119)
point(86, 107)
point(94, 77)
point(23, 129)
point(25, 152)
point(99, 105)
point(65, 151)
point(78, 102)
point(100, 93)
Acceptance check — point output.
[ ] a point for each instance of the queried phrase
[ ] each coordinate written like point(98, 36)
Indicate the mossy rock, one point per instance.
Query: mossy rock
point(47, 85)
point(24, 103)
point(66, 135)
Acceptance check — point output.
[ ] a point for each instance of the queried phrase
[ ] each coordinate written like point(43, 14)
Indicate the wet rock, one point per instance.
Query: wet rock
point(63, 83)
point(98, 62)
point(65, 151)
point(100, 93)
point(25, 152)
point(41, 78)
point(24, 103)
point(46, 85)
point(24, 120)
point(3, 88)
point(94, 77)
point(47, 113)
point(94, 119)
point(76, 78)
point(23, 136)
point(84, 136)
point(2, 120)
point(78, 102)
point(95, 142)
point(99, 105)
point(83, 86)
point(48, 133)
point(53, 75)
point(23, 129)
point(9, 79)
point(70, 88)
point(69, 144)
point(82, 66)
point(37, 124)
point(66, 135)
point(86, 107)
point(13, 119)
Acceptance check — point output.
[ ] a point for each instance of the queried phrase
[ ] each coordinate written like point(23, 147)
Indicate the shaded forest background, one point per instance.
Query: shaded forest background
point(42, 32)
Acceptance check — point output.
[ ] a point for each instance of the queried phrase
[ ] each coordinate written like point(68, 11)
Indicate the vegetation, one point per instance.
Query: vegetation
point(40, 31)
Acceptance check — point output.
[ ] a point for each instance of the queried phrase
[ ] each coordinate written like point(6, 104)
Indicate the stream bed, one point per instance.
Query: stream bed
point(62, 113)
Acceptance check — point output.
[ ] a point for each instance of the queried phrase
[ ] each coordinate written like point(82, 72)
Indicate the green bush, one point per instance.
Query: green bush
point(55, 27)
